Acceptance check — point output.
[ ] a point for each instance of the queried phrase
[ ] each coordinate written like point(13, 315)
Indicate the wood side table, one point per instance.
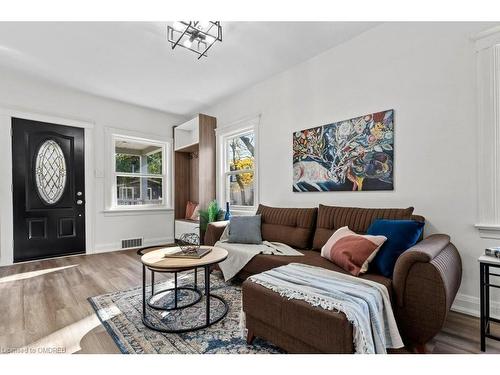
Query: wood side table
point(155, 261)
point(485, 263)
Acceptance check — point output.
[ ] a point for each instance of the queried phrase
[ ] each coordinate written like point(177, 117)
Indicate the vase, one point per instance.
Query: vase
point(227, 215)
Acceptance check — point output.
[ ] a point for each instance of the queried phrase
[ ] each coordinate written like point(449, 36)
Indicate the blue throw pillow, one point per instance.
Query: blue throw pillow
point(401, 235)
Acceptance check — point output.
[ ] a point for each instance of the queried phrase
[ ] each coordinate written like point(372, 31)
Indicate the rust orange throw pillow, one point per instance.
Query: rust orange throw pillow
point(351, 251)
point(190, 209)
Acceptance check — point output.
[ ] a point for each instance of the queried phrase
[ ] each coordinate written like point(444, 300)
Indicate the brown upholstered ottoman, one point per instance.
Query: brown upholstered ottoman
point(294, 325)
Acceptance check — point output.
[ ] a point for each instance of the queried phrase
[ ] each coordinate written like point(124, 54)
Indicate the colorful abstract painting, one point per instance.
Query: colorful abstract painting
point(355, 155)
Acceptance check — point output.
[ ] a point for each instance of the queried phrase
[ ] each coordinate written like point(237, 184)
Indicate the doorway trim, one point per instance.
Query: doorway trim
point(6, 213)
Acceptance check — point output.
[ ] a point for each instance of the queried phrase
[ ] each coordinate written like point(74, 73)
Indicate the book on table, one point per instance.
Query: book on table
point(493, 251)
point(195, 254)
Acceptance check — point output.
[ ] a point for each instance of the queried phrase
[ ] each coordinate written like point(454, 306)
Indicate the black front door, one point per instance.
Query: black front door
point(48, 190)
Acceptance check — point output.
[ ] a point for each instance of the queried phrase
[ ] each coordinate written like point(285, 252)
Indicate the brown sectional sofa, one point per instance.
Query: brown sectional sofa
point(425, 281)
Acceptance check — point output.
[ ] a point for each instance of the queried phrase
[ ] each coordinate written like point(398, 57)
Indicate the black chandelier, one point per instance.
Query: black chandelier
point(196, 36)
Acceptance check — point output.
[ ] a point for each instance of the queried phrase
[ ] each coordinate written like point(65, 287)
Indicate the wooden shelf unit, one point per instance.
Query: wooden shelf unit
point(194, 154)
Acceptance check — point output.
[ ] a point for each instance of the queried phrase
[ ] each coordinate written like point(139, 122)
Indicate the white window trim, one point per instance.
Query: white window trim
point(250, 123)
point(111, 136)
point(487, 48)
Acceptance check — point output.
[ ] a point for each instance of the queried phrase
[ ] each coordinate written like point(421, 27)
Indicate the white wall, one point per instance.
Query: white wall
point(28, 94)
point(426, 73)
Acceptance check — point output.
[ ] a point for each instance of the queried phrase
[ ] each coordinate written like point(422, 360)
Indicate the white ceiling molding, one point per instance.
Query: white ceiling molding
point(486, 38)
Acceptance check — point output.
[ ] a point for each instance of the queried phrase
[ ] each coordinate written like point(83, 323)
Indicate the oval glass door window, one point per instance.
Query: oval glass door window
point(50, 172)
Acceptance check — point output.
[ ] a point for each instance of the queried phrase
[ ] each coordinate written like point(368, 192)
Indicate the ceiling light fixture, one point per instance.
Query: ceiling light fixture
point(196, 36)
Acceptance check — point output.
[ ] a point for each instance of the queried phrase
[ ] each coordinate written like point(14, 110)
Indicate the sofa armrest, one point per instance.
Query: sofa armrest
point(426, 280)
point(214, 231)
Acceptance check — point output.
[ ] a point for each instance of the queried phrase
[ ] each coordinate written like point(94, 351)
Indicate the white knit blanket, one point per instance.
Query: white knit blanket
point(240, 254)
point(365, 303)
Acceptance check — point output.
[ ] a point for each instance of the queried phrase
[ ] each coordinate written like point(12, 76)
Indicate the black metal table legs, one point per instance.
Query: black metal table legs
point(143, 291)
point(482, 307)
point(196, 278)
point(484, 299)
point(175, 290)
point(147, 302)
point(207, 292)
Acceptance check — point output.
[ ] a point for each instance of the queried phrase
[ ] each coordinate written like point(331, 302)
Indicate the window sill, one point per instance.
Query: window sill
point(488, 230)
point(135, 211)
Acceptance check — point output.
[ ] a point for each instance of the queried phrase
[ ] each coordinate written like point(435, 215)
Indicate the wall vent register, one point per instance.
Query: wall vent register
point(132, 242)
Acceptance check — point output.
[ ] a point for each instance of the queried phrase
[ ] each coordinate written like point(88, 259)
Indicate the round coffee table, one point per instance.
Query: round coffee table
point(155, 261)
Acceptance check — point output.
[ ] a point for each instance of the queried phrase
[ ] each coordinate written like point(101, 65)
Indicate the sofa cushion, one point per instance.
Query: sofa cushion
point(261, 263)
point(331, 218)
point(401, 235)
point(245, 229)
point(351, 251)
point(291, 226)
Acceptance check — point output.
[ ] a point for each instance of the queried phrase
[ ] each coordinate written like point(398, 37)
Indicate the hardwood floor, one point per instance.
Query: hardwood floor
point(44, 305)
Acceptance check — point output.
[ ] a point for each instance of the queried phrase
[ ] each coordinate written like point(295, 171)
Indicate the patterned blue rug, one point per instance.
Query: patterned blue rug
point(121, 313)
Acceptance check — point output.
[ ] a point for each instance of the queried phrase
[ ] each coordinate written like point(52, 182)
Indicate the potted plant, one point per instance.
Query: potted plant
point(212, 213)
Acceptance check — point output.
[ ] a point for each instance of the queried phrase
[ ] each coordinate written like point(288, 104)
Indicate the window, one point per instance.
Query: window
point(237, 152)
point(240, 168)
point(139, 173)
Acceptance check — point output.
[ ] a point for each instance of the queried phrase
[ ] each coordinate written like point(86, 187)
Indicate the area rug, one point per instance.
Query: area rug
point(121, 314)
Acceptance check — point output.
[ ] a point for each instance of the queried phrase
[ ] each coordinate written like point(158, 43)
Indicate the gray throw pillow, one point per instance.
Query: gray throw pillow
point(245, 229)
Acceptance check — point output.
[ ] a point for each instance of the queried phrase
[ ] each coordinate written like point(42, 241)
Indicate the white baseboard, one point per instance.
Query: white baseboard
point(469, 305)
point(105, 248)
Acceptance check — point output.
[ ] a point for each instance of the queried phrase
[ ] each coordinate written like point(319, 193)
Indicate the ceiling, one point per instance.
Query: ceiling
point(134, 63)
